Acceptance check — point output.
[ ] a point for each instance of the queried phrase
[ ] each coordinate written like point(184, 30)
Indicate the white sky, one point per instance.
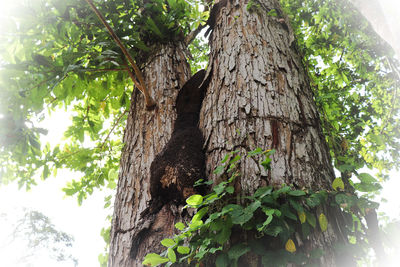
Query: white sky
point(85, 222)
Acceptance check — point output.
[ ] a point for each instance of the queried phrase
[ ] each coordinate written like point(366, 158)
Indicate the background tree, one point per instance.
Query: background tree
point(32, 235)
point(57, 54)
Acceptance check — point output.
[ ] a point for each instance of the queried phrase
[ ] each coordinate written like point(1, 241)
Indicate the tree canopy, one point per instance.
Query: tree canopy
point(57, 55)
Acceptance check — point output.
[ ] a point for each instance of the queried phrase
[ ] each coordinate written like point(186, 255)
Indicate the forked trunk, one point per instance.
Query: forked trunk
point(257, 95)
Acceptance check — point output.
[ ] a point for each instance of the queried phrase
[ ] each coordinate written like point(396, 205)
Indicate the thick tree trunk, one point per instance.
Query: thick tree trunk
point(259, 96)
point(135, 230)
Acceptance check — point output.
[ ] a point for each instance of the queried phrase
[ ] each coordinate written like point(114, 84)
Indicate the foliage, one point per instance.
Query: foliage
point(55, 54)
point(356, 82)
point(273, 216)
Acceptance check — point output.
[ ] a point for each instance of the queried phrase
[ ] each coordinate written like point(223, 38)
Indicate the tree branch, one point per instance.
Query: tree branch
point(112, 129)
point(150, 103)
point(191, 36)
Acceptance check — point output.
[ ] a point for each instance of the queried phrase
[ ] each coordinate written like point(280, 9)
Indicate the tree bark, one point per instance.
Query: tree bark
point(135, 230)
point(259, 96)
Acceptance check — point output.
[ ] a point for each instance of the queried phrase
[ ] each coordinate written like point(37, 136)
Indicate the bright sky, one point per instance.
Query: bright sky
point(85, 222)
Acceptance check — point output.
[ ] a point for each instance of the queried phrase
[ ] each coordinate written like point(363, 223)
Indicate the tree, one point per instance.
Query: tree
point(34, 234)
point(267, 86)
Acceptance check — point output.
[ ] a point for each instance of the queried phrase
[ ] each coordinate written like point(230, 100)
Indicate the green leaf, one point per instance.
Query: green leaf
point(230, 189)
point(337, 183)
point(194, 200)
point(199, 214)
point(195, 225)
point(274, 230)
point(235, 159)
point(237, 251)
point(223, 235)
point(171, 255)
point(272, 13)
point(366, 178)
point(297, 193)
point(112, 174)
point(286, 212)
point(255, 152)
point(302, 217)
point(281, 191)
point(266, 223)
point(154, 259)
point(252, 207)
point(183, 250)
point(179, 226)
point(167, 242)
point(219, 170)
point(363, 187)
point(34, 142)
point(296, 205)
point(305, 230)
point(323, 222)
point(153, 27)
point(311, 219)
point(263, 191)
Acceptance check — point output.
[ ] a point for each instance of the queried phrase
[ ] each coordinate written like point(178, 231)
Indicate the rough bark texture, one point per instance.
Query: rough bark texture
point(259, 96)
point(135, 230)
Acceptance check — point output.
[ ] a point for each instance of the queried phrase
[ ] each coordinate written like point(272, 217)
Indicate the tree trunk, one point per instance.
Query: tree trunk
point(135, 231)
point(259, 96)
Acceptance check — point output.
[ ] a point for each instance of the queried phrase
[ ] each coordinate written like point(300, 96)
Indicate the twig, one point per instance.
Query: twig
point(112, 129)
point(192, 35)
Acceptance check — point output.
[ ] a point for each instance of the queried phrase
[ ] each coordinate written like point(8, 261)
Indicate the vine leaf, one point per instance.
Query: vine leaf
point(302, 217)
point(338, 183)
point(167, 242)
point(171, 255)
point(290, 246)
point(237, 251)
point(194, 200)
point(297, 193)
point(323, 222)
point(183, 250)
point(154, 259)
point(179, 226)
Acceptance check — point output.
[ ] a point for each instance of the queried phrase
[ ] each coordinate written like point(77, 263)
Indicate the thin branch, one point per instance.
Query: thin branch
point(37, 85)
point(150, 103)
point(112, 129)
point(191, 36)
point(98, 70)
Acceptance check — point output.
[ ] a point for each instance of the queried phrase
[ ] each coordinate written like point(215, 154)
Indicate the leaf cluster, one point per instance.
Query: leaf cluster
point(57, 55)
point(277, 216)
point(356, 81)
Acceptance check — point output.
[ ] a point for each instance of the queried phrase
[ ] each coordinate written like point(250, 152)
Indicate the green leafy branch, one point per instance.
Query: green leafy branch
point(279, 215)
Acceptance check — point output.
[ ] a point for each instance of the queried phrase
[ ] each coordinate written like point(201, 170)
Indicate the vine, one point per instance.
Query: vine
point(281, 215)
